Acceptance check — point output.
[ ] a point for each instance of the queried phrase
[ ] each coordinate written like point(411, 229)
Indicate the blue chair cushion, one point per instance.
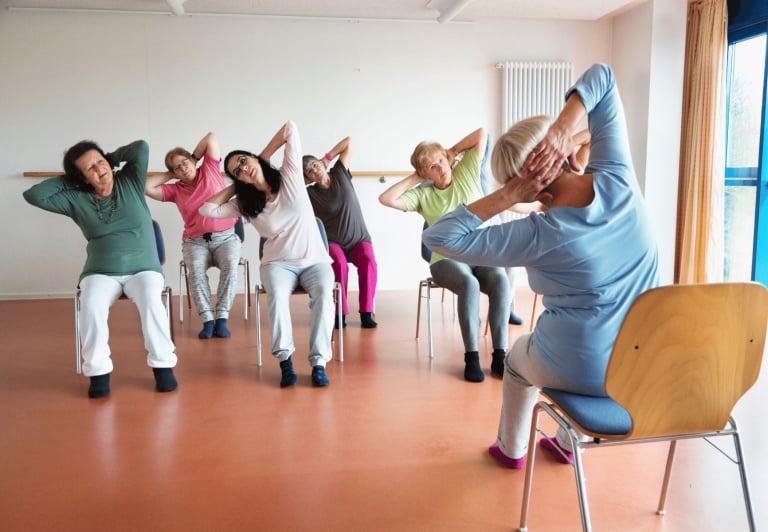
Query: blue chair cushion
point(426, 253)
point(599, 415)
point(159, 242)
point(239, 230)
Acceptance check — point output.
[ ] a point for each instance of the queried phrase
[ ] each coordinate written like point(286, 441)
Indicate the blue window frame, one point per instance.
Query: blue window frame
point(746, 172)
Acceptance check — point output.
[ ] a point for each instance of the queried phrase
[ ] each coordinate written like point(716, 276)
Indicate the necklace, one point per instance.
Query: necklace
point(106, 218)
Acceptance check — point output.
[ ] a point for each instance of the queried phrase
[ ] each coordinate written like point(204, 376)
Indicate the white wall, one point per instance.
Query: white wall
point(648, 57)
point(115, 78)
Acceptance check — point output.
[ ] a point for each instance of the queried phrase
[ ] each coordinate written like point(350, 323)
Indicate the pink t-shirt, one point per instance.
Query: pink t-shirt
point(189, 198)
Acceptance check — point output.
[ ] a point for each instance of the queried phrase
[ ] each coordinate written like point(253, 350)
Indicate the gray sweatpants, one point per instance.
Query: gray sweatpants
point(222, 250)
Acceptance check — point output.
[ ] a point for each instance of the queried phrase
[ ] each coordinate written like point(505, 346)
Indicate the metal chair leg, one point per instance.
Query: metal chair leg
point(182, 277)
point(533, 311)
point(429, 318)
point(78, 353)
point(168, 301)
point(418, 308)
point(246, 286)
point(339, 317)
point(258, 325)
point(665, 484)
point(531, 458)
point(743, 475)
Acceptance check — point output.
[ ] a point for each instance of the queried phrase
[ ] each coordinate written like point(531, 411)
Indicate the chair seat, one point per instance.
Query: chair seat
point(598, 415)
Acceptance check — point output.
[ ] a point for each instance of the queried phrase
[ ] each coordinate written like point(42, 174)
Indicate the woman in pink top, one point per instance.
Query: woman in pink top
point(206, 241)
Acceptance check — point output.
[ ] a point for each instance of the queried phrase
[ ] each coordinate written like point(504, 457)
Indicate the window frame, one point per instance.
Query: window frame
point(752, 176)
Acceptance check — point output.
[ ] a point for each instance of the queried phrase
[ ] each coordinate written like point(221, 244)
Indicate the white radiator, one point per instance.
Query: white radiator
point(533, 88)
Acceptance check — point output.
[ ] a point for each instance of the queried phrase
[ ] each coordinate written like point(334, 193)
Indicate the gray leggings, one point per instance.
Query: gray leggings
point(524, 375)
point(467, 282)
point(222, 250)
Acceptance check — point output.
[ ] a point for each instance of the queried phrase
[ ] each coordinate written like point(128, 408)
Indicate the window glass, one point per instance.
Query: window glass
point(745, 102)
point(739, 232)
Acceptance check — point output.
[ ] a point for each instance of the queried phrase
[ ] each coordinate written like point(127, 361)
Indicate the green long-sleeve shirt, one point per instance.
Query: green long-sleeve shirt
point(124, 246)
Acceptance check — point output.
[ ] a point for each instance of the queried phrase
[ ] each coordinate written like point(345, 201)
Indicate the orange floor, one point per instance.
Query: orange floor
point(396, 443)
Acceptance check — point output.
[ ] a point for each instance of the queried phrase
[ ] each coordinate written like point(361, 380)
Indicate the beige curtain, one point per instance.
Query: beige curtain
point(699, 245)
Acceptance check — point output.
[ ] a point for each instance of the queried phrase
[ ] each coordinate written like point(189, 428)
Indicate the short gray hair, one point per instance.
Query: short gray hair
point(514, 146)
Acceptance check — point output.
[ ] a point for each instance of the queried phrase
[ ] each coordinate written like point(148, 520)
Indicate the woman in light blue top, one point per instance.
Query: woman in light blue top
point(589, 255)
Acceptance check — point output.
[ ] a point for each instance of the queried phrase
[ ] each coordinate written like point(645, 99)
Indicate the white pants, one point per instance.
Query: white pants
point(98, 293)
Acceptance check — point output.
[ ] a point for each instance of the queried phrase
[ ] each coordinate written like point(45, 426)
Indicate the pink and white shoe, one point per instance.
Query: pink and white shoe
point(503, 459)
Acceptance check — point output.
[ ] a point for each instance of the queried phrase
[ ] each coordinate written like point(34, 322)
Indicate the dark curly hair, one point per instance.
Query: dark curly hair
point(250, 200)
point(72, 174)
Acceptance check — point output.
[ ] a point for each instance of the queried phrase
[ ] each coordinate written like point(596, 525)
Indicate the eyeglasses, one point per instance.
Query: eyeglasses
point(242, 162)
point(182, 164)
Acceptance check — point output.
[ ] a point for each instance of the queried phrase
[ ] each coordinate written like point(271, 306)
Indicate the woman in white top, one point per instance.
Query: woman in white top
point(275, 202)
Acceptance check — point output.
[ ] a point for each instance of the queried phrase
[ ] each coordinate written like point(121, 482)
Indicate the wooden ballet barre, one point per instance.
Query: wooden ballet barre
point(360, 173)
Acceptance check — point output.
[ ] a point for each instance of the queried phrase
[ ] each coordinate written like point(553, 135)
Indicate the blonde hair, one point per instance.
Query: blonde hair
point(514, 146)
point(420, 154)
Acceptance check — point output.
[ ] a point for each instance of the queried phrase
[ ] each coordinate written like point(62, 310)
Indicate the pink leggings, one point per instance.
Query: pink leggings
point(362, 257)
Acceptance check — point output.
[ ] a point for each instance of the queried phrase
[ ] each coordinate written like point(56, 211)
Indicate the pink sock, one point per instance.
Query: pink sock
point(550, 445)
point(503, 459)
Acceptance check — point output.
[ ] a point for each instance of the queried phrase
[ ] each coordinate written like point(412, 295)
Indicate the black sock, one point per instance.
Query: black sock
point(497, 362)
point(336, 322)
point(514, 319)
point(99, 386)
point(366, 321)
point(220, 328)
point(164, 379)
point(288, 376)
point(207, 330)
point(472, 370)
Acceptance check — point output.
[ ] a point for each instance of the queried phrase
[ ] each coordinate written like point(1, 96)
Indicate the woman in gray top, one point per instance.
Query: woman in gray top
point(335, 203)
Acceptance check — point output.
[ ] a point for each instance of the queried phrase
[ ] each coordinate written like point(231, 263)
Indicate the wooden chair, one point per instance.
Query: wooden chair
point(260, 290)
point(166, 295)
point(683, 357)
point(184, 279)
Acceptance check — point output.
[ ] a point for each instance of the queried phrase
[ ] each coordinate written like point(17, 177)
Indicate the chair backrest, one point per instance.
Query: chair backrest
point(323, 234)
point(685, 354)
point(320, 227)
point(426, 253)
point(239, 230)
point(486, 176)
point(159, 242)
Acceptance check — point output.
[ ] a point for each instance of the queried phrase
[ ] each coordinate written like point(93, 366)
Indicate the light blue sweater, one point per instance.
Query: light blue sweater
point(588, 263)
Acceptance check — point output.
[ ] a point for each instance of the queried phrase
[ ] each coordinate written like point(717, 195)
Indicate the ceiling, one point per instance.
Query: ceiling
point(441, 11)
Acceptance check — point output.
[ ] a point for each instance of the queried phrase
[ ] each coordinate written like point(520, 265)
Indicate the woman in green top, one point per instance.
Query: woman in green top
point(121, 255)
point(437, 187)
